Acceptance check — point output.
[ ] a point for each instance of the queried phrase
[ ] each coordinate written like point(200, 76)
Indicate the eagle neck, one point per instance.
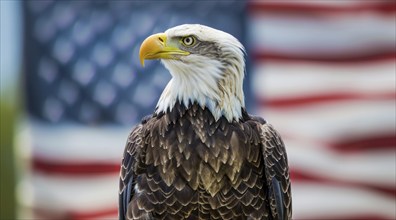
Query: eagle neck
point(205, 85)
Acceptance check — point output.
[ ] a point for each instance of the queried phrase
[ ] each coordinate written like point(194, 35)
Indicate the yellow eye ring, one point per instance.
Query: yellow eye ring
point(188, 41)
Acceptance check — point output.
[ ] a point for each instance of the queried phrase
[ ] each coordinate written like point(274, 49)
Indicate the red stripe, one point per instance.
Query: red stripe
point(385, 54)
point(294, 102)
point(386, 141)
point(76, 168)
point(365, 143)
point(361, 216)
point(92, 215)
point(266, 6)
point(44, 214)
point(302, 176)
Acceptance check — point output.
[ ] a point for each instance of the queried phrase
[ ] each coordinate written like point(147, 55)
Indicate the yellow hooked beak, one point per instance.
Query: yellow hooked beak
point(157, 47)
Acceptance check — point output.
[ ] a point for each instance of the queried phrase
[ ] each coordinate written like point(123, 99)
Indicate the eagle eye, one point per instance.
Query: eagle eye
point(188, 41)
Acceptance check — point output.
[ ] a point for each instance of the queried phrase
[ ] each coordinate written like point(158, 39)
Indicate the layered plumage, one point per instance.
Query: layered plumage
point(201, 155)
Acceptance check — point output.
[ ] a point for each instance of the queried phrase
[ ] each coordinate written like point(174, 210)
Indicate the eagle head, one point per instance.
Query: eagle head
point(207, 67)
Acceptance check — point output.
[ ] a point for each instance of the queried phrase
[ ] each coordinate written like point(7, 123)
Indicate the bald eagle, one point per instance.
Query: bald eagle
point(200, 155)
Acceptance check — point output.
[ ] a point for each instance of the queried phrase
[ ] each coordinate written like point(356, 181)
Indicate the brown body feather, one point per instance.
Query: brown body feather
point(185, 165)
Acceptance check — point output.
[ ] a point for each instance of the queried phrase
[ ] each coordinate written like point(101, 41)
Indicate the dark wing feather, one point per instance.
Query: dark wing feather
point(277, 173)
point(132, 154)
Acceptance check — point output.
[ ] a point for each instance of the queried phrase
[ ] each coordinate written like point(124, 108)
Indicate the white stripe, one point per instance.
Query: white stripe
point(335, 121)
point(58, 193)
point(363, 167)
point(315, 200)
point(72, 142)
point(294, 79)
point(322, 35)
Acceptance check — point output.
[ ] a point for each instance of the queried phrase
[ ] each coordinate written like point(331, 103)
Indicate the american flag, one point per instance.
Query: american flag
point(322, 72)
point(324, 75)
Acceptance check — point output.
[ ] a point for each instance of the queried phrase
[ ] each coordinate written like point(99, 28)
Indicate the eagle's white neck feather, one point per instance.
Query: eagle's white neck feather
point(209, 82)
point(190, 84)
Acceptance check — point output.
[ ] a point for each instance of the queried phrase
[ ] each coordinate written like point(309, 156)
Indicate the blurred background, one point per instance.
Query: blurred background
point(322, 72)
